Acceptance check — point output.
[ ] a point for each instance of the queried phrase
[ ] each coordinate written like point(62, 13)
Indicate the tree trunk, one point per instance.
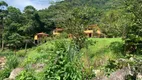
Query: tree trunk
point(2, 42)
point(26, 47)
point(2, 46)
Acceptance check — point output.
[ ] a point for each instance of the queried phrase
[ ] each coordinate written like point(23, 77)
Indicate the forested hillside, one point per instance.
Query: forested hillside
point(110, 15)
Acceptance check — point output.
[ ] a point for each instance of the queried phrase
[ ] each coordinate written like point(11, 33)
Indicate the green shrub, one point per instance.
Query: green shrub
point(61, 36)
point(63, 65)
point(12, 62)
point(4, 73)
point(21, 53)
point(26, 75)
point(6, 53)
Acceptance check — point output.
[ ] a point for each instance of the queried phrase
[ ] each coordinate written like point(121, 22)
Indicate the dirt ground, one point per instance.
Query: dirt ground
point(2, 62)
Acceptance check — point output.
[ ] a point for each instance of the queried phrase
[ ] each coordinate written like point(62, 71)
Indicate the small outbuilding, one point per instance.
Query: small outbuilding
point(57, 31)
point(40, 37)
point(93, 30)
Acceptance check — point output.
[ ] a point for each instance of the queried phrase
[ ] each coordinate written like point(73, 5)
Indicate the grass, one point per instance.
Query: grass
point(39, 53)
point(96, 55)
point(104, 49)
point(36, 54)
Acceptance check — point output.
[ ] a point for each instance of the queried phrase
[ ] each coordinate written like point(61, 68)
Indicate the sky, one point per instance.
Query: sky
point(38, 4)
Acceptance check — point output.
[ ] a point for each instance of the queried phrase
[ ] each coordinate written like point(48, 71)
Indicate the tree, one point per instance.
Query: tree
point(3, 12)
point(115, 22)
point(12, 34)
point(133, 41)
point(32, 22)
point(74, 22)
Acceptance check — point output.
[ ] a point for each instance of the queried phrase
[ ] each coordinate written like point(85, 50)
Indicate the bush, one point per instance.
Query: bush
point(63, 65)
point(6, 53)
point(61, 36)
point(12, 62)
point(26, 75)
point(4, 73)
point(21, 53)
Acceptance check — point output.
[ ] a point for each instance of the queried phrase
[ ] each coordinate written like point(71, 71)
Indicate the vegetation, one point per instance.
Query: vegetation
point(134, 37)
point(72, 15)
point(78, 58)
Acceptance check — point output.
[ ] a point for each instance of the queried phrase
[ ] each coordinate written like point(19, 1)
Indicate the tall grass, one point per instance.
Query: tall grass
point(107, 48)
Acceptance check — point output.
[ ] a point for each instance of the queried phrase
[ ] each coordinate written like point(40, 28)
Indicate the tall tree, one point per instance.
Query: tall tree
point(114, 23)
point(133, 40)
point(3, 12)
point(12, 33)
point(32, 22)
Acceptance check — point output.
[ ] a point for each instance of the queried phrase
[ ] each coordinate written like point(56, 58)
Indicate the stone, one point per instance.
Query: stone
point(2, 62)
point(139, 76)
point(15, 72)
point(38, 67)
point(120, 74)
point(117, 75)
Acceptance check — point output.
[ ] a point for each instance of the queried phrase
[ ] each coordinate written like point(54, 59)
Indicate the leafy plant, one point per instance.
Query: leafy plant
point(21, 53)
point(12, 62)
point(133, 41)
point(4, 73)
point(63, 65)
point(26, 75)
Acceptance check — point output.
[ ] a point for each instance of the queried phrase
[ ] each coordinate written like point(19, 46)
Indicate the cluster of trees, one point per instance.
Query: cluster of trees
point(116, 18)
point(110, 15)
point(18, 28)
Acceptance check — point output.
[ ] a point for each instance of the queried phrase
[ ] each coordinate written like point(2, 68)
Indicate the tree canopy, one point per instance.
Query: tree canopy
point(110, 15)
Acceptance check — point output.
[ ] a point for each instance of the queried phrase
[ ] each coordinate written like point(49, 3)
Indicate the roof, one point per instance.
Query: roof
point(42, 34)
point(59, 29)
point(88, 31)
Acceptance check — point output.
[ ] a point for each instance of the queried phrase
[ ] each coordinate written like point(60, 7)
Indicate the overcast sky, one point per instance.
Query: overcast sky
point(38, 4)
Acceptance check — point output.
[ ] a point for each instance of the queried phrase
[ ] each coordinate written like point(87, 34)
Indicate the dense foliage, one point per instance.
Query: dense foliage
point(20, 27)
point(63, 65)
point(133, 39)
point(70, 59)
